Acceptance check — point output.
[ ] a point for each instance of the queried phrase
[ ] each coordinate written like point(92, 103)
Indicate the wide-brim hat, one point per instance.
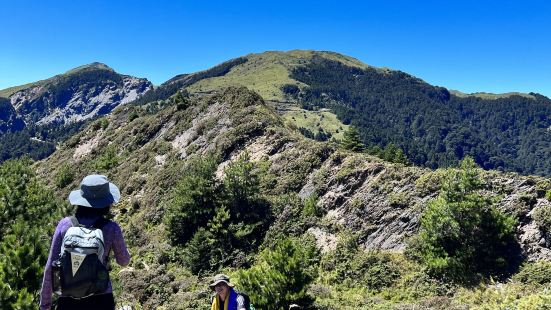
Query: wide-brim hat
point(95, 192)
point(220, 278)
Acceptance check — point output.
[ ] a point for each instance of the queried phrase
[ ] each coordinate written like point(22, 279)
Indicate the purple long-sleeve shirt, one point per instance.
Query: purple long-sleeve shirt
point(112, 237)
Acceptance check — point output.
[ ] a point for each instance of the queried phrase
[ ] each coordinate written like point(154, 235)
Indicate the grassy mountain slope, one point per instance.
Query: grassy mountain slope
point(266, 73)
point(490, 95)
point(147, 152)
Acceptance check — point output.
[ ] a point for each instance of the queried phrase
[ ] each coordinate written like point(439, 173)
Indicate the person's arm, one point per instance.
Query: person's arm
point(120, 250)
point(47, 290)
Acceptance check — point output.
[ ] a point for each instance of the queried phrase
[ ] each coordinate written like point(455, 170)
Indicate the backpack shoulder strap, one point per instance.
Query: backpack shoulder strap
point(74, 221)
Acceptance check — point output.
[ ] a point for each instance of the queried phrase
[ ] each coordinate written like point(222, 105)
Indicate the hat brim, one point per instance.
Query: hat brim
point(76, 199)
point(213, 284)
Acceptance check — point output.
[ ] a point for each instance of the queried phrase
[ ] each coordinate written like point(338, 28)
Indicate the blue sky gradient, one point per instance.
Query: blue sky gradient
point(471, 46)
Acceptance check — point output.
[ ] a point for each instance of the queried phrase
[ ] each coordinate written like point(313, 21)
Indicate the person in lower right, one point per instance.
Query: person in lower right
point(226, 297)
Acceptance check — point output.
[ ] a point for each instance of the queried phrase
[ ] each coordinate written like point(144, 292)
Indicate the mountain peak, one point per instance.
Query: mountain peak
point(93, 65)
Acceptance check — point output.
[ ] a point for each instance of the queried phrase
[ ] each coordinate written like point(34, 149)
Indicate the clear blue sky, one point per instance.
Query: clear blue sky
point(492, 46)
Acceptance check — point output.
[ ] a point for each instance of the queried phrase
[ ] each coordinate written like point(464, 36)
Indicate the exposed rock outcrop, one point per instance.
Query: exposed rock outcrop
point(78, 95)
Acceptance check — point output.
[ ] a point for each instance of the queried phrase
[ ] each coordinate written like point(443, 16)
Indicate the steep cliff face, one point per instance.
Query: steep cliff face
point(9, 120)
point(77, 95)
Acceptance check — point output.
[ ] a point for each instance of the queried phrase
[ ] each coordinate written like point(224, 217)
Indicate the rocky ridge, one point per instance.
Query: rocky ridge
point(379, 200)
point(147, 151)
point(77, 95)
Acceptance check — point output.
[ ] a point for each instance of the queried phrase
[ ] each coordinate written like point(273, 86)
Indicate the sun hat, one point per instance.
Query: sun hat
point(95, 192)
point(220, 278)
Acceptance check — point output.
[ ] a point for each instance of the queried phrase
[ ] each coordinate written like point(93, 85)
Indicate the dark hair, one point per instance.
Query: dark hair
point(82, 211)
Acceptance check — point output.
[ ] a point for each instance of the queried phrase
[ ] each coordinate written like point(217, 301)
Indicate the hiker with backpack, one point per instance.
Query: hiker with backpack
point(227, 298)
point(77, 267)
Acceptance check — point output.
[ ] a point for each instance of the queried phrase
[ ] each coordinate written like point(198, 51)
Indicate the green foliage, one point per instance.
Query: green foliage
point(349, 265)
point(352, 141)
point(102, 123)
point(201, 251)
point(181, 100)
point(542, 216)
point(507, 296)
point(133, 115)
point(170, 87)
point(107, 160)
point(393, 154)
point(430, 181)
point(21, 144)
point(281, 276)
point(538, 273)
point(433, 127)
point(310, 207)
point(21, 265)
point(36, 142)
point(221, 220)
point(462, 236)
point(64, 176)
point(27, 208)
point(22, 196)
point(194, 200)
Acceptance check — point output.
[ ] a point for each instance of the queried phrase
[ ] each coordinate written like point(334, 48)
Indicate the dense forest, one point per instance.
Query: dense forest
point(37, 142)
point(432, 126)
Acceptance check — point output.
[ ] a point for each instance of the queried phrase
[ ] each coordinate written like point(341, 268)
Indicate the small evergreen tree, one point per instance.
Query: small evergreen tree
point(463, 237)
point(351, 140)
point(281, 275)
point(64, 176)
point(27, 215)
point(217, 222)
point(181, 100)
point(194, 200)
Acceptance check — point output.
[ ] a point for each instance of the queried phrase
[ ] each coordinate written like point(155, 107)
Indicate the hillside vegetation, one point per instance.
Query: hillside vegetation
point(266, 73)
point(323, 226)
point(434, 127)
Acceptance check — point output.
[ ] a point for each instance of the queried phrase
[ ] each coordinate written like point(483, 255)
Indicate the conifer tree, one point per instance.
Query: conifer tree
point(28, 212)
point(281, 275)
point(463, 237)
point(351, 140)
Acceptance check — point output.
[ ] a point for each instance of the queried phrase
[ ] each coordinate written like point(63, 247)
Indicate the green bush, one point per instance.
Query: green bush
point(107, 160)
point(463, 237)
point(225, 219)
point(310, 208)
point(64, 176)
point(193, 203)
point(534, 273)
point(281, 275)
point(542, 216)
point(349, 264)
point(28, 212)
point(132, 116)
point(181, 100)
point(102, 123)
